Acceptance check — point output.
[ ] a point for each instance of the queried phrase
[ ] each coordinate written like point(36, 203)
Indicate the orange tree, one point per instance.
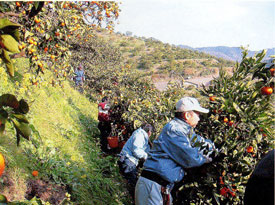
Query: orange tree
point(134, 98)
point(42, 32)
point(240, 124)
point(46, 29)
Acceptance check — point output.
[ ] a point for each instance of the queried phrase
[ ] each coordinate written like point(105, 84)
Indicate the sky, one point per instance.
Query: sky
point(201, 23)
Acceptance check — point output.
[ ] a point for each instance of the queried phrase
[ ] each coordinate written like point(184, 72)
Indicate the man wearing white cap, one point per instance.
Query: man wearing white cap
point(172, 152)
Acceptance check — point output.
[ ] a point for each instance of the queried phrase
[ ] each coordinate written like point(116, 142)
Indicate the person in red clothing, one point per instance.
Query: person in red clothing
point(104, 124)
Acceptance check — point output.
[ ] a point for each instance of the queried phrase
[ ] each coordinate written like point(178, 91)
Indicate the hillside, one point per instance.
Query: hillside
point(161, 59)
point(229, 53)
point(63, 147)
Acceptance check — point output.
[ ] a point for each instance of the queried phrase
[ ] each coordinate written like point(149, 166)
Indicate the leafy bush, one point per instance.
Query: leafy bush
point(241, 124)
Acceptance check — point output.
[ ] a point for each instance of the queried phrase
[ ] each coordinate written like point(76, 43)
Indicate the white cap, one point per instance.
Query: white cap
point(188, 104)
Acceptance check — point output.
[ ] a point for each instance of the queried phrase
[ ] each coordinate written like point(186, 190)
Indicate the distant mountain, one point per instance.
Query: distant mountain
point(229, 53)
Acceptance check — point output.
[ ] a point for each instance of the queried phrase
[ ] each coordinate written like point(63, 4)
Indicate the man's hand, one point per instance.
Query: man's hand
point(140, 162)
point(207, 159)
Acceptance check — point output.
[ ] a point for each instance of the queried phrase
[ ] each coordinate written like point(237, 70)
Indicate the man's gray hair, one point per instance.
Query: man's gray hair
point(147, 127)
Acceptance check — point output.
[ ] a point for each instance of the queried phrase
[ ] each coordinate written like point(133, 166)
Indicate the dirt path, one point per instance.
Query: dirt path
point(197, 81)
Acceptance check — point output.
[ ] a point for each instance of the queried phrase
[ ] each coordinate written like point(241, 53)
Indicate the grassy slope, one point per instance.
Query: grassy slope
point(67, 150)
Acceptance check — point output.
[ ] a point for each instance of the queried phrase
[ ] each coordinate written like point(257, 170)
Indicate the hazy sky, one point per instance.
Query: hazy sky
point(201, 23)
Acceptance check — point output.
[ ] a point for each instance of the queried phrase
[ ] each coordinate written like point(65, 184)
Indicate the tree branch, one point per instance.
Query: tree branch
point(8, 14)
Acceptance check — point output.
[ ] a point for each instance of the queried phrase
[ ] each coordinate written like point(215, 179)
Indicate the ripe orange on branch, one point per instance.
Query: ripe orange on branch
point(249, 149)
point(225, 119)
point(36, 20)
point(231, 122)
point(272, 71)
point(266, 90)
point(2, 164)
point(212, 98)
point(224, 191)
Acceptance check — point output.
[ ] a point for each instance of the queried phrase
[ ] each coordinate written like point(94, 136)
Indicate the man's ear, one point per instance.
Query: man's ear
point(186, 115)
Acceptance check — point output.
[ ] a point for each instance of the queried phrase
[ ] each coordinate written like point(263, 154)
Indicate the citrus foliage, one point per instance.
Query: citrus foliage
point(13, 111)
point(9, 37)
point(240, 123)
point(46, 30)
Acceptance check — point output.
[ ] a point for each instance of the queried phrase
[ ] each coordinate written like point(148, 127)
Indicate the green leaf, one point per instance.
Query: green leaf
point(10, 69)
point(10, 43)
point(5, 56)
point(3, 116)
point(236, 107)
point(17, 137)
point(9, 100)
point(47, 36)
point(216, 197)
point(36, 4)
point(2, 129)
point(7, 60)
point(27, 34)
point(23, 106)
point(11, 30)
point(23, 129)
point(260, 56)
point(6, 22)
point(16, 35)
point(21, 118)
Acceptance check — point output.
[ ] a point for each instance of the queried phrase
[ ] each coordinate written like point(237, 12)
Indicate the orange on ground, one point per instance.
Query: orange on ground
point(35, 173)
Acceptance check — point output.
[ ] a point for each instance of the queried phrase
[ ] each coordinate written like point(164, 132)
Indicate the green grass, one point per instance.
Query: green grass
point(64, 145)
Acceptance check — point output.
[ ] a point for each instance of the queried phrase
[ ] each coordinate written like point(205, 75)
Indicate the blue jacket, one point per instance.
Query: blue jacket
point(173, 151)
point(79, 75)
point(136, 146)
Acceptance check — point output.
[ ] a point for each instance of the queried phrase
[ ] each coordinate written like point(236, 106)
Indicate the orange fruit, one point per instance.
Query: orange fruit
point(212, 98)
point(266, 90)
point(224, 191)
point(36, 20)
point(2, 164)
point(249, 149)
point(18, 4)
point(272, 71)
point(40, 64)
point(225, 120)
point(35, 173)
point(231, 122)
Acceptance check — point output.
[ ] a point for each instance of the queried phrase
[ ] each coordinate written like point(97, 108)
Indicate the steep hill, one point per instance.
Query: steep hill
point(63, 147)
